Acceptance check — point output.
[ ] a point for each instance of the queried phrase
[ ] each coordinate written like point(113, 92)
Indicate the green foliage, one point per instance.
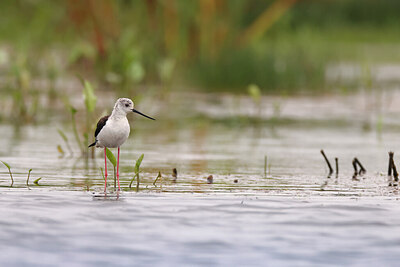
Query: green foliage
point(9, 170)
point(137, 171)
point(254, 92)
point(89, 96)
point(138, 162)
point(63, 136)
point(73, 110)
point(166, 68)
point(190, 42)
point(111, 157)
point(36, 182)
point(27, 179)
point(60, 150)
point(6, 164)
point(159, 176)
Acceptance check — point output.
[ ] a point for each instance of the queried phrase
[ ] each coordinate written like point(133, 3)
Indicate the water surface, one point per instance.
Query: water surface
point(292, 215)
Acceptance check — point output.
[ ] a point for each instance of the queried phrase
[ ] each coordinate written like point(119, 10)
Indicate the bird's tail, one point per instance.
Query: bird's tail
point(93, 144)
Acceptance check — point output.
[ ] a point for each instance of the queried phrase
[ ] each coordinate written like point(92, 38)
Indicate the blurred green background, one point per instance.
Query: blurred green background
point(126, 47)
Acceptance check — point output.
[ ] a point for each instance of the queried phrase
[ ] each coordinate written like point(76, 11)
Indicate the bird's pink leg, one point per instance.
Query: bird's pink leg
point(119, 189)
point(105, 169)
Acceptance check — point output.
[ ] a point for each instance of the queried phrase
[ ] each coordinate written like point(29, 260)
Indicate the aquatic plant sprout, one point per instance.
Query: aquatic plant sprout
point(27, 179)
point(111, 157)
point(159, 176)
point(89, 96)
point(138, 162)
point(36, 182)
point(9, 170)
point(136, 175)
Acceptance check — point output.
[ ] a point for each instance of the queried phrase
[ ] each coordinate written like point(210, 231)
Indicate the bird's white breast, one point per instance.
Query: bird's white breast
point(114, 133)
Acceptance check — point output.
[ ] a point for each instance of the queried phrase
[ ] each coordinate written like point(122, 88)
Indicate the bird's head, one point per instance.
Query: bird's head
point(126, 105)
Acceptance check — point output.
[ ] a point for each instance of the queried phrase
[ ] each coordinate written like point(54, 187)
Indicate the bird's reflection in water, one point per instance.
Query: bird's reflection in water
point(107, 196)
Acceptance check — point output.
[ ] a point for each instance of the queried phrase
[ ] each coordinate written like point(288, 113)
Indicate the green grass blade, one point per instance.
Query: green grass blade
point(138, 162)
point(6, 164)
point(9, 170)
point(254, 92)
point(158, 177)
point(111, 157)
point(89, 96)
point(60, 150)
point(133, 178)
point(63, 136)
point(137, 182)
point(36, 182)
point(73, 110)
point(27, 179)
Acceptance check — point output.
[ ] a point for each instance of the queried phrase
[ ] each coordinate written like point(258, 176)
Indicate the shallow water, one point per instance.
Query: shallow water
point(293, 215)
point(73, 228)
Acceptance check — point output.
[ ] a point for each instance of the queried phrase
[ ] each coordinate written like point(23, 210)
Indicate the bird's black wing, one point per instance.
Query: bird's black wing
point(100, 125)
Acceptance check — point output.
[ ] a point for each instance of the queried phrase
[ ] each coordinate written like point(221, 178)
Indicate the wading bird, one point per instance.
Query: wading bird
point(113, 130)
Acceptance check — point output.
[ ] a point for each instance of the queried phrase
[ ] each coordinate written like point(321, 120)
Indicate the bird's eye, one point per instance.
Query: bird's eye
point(126, 105)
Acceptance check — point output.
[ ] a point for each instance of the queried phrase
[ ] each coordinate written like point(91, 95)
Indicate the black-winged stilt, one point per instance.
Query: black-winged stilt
point(113, 130)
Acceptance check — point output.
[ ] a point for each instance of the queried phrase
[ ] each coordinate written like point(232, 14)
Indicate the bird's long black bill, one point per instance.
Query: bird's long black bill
point(138, 112)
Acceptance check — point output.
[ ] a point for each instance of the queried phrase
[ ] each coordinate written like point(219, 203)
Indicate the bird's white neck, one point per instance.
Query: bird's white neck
point(117, 113)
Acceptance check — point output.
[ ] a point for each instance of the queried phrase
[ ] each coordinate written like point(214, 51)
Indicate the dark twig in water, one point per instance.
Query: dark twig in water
point(355, 169)
point(115, 178)
point(327, 162)
point(137, 182)
point(391, 154)
point(337, 166)
point(265, 166)
point(395, 173)
point(362, 169)
point(174, 174)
